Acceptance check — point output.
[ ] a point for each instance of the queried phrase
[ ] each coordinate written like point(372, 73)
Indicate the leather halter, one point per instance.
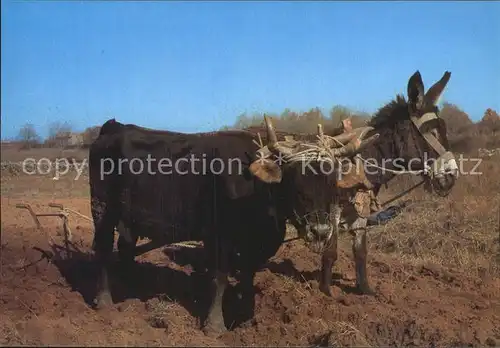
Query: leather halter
point(445, 157)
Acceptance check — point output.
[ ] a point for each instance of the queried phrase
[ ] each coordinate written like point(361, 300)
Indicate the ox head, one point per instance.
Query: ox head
point(306, 174)
point(432, 146)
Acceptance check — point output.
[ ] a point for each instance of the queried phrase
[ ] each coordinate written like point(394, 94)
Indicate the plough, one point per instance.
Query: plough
point(64, 213)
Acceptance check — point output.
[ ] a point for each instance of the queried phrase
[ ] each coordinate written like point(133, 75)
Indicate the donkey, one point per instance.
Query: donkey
point(410, 131)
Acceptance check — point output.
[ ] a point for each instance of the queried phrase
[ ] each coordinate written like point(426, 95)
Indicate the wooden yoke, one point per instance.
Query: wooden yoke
point(353, 173)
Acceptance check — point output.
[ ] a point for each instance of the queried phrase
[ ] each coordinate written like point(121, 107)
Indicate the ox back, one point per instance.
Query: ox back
point(204, 193)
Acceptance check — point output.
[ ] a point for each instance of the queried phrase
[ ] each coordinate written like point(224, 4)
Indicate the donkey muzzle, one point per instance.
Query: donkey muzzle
point(445, 165)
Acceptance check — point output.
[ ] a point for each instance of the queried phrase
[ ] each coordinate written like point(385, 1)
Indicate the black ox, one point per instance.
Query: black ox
point(238, 207)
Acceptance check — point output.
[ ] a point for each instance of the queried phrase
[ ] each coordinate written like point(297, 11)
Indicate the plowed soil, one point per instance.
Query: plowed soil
point(44, 296)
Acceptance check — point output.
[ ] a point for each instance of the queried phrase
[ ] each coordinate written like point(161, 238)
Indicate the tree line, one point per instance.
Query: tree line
point(463, 133)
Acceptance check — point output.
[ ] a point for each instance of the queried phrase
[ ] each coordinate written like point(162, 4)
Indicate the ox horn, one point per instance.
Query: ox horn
point(273, 145)
point(342, 139)
point(356, 144)
point(347, 137)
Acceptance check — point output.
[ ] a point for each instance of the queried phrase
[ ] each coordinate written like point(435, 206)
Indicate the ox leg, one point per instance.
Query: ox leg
point(103, 247)
point(219, 272)
point(126, 257)
point(126, 250)
point(215, 321)
point(247, 308)
point(360, 251)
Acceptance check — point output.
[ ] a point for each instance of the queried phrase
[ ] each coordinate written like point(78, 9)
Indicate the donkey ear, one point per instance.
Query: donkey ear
point(433, 94)
point(416, 91)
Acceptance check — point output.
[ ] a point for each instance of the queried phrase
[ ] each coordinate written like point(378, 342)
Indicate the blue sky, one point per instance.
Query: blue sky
point(195, 66)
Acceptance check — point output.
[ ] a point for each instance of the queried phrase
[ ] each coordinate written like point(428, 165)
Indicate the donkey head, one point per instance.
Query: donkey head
point(429, 131)
point(413, 131)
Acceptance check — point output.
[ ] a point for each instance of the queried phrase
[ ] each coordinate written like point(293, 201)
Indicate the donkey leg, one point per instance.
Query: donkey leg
point(330, 253)
point(327, 261)
point(360, 251)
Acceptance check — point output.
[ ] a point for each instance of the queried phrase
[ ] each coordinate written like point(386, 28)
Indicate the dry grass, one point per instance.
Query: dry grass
point(159, 309)
point(460, 231)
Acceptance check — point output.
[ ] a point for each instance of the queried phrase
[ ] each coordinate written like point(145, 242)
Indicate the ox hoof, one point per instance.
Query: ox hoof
point(365, 290)
point(214, 328)
point(103, 300)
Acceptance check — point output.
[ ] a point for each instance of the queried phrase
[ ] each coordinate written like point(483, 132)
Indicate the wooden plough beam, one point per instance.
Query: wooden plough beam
point(63, 214)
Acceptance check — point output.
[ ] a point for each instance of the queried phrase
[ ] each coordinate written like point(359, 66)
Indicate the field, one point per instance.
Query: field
point(435, 268)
